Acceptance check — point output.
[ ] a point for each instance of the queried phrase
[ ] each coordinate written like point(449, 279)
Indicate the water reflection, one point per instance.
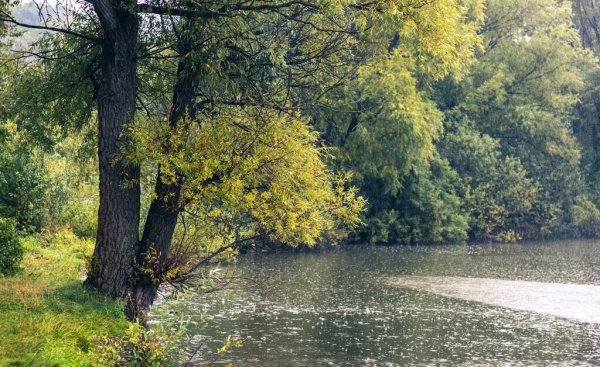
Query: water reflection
point(339, 309)
point(574, 301)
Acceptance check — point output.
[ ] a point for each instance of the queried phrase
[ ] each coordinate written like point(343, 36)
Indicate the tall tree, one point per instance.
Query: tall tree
point(119, 210)
point(587, 18)
point(225, 65)
point(520, 99)
point(385, 124)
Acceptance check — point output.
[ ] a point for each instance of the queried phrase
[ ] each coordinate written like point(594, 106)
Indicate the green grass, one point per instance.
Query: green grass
point(46, 317)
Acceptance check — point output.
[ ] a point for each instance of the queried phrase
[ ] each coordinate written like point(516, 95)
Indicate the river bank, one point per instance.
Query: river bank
point(47, 318)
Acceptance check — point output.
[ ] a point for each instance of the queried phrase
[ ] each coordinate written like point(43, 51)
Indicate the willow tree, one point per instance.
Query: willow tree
point(212, 94)
point(384, 125)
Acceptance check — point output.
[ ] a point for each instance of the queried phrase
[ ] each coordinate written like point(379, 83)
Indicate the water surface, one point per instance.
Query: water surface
point(580, 302)
point(406, 306)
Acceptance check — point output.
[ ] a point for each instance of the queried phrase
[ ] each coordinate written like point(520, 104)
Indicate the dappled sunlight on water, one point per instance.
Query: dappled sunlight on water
point(346, 308)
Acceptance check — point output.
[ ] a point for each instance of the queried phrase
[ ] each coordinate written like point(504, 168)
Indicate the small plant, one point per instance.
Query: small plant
point(228, 344)
point(11, 251)
point(139, 347)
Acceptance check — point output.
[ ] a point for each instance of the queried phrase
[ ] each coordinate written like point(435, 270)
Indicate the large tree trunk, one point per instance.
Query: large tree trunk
point(119, 212)
point(164, 210)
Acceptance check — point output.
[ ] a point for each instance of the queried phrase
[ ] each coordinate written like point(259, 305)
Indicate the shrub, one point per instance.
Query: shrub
point(11, 252)
point(80, 210)
point(426, 210)
point(139, 347)
point(586, 218)
point(24, 181)
point(503, 202)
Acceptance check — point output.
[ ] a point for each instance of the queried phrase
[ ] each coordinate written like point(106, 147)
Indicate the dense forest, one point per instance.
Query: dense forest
point(175, 133)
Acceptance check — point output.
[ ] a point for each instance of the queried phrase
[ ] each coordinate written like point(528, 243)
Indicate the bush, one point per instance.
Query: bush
point(140, 347)
point(80, 210)
point(11, 252)
point(586, 218)
point(23, 188)
point(427, 210)
point(24, 182)
point(504, 204)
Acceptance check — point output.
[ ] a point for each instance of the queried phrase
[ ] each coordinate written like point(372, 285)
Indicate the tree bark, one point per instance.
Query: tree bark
point(161, 220)
point(119, 210)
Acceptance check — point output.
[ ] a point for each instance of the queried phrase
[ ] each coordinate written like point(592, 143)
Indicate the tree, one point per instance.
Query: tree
point(496, 192)
point(587, 127)
point(277, 57)
point(384, 125)
point(585, 14)
point(521, 97)
point(427, 210)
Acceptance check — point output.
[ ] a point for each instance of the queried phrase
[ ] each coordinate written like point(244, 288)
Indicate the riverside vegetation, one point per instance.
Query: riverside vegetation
point(145, 141)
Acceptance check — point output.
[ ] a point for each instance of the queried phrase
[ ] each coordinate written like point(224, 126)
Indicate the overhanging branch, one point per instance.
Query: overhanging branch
point(224, 11)
point(5, 18)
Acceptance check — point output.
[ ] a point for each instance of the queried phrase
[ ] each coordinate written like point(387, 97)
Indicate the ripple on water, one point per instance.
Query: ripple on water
point(344, 308)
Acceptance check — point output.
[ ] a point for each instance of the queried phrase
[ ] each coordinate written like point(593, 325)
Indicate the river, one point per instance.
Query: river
point(530, 304)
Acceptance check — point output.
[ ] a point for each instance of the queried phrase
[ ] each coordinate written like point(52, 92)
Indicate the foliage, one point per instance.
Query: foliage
point(11, 251)
point(138, 347)
point(73, 195)
point(499, 197)
point(427, 210)
point(43, 189)
point(24, 184)
point(79, 211)
point(396, 124)
point(587, 126)
point(383, 120)
point(585, 14)
point(49, 99)
point(586, 218)
point(529, 89)
point(385, 124)
point(250, 171)
point(228, 344)
point(518, 155)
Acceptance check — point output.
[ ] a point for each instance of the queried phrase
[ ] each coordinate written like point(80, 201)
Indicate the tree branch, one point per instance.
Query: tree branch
point(5, 18)
point(224, 11)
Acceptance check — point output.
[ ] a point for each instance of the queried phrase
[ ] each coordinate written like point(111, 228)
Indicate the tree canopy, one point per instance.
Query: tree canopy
point(219, 102)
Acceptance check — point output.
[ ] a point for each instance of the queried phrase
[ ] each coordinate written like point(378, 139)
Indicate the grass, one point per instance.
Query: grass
point(46, 317)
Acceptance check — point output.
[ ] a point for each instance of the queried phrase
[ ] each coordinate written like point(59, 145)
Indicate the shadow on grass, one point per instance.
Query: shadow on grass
point(58, 327)
point(75, 298)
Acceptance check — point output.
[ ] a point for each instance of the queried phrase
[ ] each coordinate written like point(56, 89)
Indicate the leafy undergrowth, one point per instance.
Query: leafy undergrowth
point(46, 317)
